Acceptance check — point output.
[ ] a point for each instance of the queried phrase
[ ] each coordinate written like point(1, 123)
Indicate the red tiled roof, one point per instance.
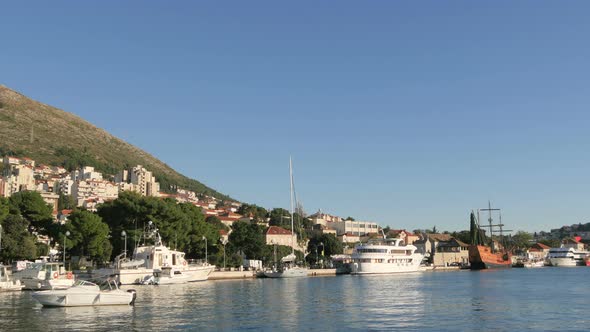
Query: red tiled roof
point(66, 211)
point(542, 246)
point(276, 230)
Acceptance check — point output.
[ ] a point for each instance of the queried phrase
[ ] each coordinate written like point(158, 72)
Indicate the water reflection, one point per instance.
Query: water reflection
point(509, 300)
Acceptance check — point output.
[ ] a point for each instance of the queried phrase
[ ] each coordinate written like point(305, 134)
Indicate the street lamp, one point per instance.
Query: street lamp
point(204, 238)
point(124, 234)
point(67, 233)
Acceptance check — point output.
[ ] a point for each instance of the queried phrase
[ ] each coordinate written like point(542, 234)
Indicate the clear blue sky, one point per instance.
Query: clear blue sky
point(409, 114)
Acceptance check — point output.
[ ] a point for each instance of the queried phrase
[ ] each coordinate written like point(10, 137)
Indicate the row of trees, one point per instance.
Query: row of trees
point(182, 226)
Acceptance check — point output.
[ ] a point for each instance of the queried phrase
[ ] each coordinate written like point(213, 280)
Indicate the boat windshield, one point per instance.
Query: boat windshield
point(108, 285)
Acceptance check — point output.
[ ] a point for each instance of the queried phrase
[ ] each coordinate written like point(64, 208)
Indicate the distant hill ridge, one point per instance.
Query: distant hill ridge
point(55, 137)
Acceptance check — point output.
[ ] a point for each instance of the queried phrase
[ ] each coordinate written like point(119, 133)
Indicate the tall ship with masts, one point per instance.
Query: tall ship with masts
point(484, 252)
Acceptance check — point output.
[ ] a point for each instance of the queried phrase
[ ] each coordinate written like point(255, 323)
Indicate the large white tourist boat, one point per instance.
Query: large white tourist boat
point(148, 259)
point(566, 257)
point(85, 293)
point(7, 284)
point(385, 256)
point(289, 267)
point(45, 275)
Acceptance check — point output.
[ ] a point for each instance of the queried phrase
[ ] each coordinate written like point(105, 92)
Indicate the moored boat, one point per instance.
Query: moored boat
point(148, 259)
point(566, 257)
point(384, 256)
point(289, 267)
point(7, 283)
point(45, 275)
point(484, 254)
point(85, 293)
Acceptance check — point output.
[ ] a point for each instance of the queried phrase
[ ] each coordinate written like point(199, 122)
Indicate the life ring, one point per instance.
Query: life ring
point(184, 263)
point(70, 276)
point(55, 275)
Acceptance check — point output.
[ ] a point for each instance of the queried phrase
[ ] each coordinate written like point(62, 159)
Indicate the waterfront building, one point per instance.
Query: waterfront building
point(538, 251)
point(320, 218)
point(283, 237)
point(355, 227)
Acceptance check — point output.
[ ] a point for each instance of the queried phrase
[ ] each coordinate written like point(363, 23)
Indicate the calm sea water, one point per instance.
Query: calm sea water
point(551, 299)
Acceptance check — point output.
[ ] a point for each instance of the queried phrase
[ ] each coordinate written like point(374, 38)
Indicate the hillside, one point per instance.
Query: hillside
point(51, 136)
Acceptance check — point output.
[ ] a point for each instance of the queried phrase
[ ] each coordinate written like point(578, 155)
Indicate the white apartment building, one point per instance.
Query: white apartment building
point(140, 179)
point(144, 181)
point(83, 190)
point(65, 186)
point(320, 218)
point(18, 178)
point(354, 227)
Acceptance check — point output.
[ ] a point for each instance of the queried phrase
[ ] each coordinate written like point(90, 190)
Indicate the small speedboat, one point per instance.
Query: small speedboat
point(85, 293)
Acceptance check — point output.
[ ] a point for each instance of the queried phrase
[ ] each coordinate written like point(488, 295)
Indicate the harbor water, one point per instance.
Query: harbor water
point(549, 299)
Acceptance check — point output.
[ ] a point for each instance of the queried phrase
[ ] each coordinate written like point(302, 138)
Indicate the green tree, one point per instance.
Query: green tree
point(89, 236)
point(17, 242)
point(258, 213)
point(31, 206)
point(280, 217)
point(464, 236)
point(181, 226)
point(247, 238)
point(325, 245)
point(522, 239)
point(66, 202)
point(215, 222)
point(4, 208)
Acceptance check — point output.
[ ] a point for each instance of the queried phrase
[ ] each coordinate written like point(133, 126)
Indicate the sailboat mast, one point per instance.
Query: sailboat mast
point(291, 193)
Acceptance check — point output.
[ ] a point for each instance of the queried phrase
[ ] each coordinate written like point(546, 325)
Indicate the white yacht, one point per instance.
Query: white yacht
point(385, 256)
point(85, 293)
point(7, 284)
point(566, 257)
point(148, 259)
point(45, 275)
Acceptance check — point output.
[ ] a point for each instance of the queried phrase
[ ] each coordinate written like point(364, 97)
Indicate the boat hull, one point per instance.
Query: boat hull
point(143, 276)
point(563, 262)
point(481, 257)
point(385, 268)
point(290, 273)
point(186, 276)
point(75, 299)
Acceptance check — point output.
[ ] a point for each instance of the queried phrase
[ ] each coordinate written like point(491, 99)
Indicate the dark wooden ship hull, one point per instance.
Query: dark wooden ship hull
point(482, 257)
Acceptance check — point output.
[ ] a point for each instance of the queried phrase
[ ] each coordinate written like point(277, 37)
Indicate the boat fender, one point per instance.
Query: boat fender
point(55, 275)
point(70, 276)
point(134, 296)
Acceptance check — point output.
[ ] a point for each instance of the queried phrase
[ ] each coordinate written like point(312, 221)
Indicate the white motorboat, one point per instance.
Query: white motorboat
point(45, 275)
point(7, 284)
point(85, 293)
point(566, 257)
point(148, 259)
point(385, 256)
point(173, 275)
